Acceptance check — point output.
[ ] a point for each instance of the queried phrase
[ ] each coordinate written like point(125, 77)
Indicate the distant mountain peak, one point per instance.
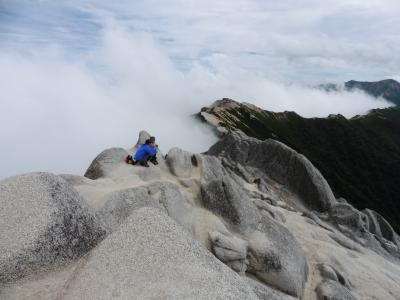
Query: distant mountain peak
point(388, 89)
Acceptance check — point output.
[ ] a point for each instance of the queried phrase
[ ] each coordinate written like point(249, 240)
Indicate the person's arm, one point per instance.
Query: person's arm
point(151, 150)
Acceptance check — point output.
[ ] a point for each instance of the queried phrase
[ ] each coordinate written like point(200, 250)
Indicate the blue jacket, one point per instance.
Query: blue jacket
point(143, 150)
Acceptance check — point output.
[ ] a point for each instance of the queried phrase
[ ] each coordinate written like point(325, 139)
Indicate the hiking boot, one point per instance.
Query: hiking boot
point(144, 164)
point(154, 161)
point(129, 160)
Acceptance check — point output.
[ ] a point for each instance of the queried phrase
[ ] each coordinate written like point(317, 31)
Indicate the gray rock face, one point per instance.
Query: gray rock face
point(330, 272)
point(164, 196)
point(276, 258)
point(43, 223)
point(346, 215)
point(120, 205)
point(266, 208)
point(143, 136)
point(181, 162)
point(75, 179)
point(280, 163)
point(333, 290)
point(231, 250)
point(225, 198)
point(367, 228)
point(273, 254)
point(151, 257)
point(265, 292)
point(105, 162)
point(377, 225)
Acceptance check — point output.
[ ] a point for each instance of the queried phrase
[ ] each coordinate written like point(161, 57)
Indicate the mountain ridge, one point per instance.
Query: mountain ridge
point(360, 156)
point(388, 89)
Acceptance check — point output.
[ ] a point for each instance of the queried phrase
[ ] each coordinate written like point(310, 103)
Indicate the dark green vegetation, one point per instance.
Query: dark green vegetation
point(388, 89)
point(359, 157)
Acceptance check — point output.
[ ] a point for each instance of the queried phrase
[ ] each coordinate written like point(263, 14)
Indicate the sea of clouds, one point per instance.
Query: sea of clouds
point(58, 110)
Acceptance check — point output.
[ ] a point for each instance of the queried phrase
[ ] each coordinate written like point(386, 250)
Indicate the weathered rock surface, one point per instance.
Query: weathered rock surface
point(238, 205)
point(164, 196)
point(276, 258)
point(181, 162)
point(280, 163)
point(265, 292)
point(105, 162)
point(224, 198)
point(151, 257)
point(343, 214)
point(274, 255)
point(367, 228)
point(43, 223)
point(333, 290)
point(330, 272)
point(143, 136)
point(231, 250)
point(377, 225)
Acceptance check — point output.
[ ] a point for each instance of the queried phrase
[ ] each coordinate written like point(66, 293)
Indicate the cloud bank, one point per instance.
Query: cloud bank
point(307, 41)
point(85, 77)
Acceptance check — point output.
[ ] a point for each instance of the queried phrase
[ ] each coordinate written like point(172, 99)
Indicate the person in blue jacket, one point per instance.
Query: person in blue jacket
point(146, 152)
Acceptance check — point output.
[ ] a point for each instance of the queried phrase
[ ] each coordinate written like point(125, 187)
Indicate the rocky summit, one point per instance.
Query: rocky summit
point(249, 219)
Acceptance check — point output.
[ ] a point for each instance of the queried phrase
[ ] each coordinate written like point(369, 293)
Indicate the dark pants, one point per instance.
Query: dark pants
point(145, 159)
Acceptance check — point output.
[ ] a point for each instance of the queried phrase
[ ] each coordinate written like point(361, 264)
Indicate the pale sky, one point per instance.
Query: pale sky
point(79, 76)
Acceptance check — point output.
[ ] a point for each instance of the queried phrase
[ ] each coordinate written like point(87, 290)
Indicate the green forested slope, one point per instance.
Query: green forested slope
point(360, 157)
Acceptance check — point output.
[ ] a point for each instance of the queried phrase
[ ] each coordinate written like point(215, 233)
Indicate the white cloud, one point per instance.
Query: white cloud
point(57, 114)
point(301, 41)
point(85, 75)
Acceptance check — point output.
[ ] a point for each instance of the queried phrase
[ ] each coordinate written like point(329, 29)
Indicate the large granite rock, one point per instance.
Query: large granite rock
point(165, 196)
point(181, 163)
point(43, 223)
point(367, 228)
point(119, 205)
point(279, 162)
point(377, 225)
point(265, 292)
point(143, 136)
point(343, 214)
point(273, 254)
point(105, 162)
point(329, 272)
point(151, 257)
point(276, 258)
point(333, 290)
point(226, 199)
point(230, 249)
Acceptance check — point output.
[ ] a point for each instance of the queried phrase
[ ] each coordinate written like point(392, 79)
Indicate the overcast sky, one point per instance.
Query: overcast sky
point(82, 75)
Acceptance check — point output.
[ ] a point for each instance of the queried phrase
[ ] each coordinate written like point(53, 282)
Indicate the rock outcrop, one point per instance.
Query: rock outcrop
point(43, 222)
point(273, 254)
point(105, 161)
point(149, 257)
point(181, 162)
point(332, 290)
point(164, 196)
point(280, 163)
point(358, 156)
point(367, 228)
point(249, 220)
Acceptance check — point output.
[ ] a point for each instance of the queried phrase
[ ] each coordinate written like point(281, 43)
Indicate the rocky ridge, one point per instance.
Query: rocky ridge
point(388, 89)
point(249, 219)
point(359, 157)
